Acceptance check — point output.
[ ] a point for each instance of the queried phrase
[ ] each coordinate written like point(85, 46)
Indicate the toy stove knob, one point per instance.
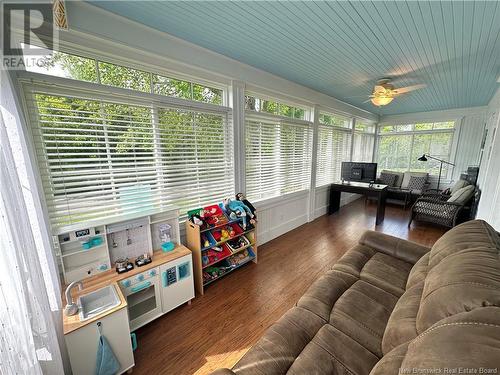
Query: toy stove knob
point(152, 272)
point(140, 277)
point(126, 283)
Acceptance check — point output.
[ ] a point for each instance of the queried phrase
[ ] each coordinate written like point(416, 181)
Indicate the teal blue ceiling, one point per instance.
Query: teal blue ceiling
point(343, 48)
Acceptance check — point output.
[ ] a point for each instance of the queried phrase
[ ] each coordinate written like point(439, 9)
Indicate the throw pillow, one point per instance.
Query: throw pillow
point(388, 179)
point(458, 185)
point(417, 182)
point(461, 196)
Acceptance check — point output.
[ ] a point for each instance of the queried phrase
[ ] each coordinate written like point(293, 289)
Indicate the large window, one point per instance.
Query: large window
point(103, 158)
point(278, 156)
point(334, 147)
point(400, 146)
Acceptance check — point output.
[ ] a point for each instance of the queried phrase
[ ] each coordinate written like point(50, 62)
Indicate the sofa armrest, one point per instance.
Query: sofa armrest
point(402, 249)
point(223, 371)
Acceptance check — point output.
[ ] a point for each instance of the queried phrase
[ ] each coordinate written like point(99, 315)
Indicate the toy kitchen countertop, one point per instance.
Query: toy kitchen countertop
point(111, 277)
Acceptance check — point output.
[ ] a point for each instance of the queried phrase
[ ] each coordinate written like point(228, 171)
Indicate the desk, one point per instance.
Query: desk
point(376, 190)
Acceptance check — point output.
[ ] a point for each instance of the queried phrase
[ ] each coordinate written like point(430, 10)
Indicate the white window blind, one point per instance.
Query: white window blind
point(334, 147)
point(364, 140)
point(278, 156)
point(100, 159)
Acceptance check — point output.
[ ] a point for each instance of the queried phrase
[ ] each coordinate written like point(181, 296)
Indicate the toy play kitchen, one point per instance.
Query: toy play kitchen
point(138, 285)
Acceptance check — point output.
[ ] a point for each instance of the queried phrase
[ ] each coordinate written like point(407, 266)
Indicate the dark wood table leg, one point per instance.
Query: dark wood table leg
point(381, 207)
point(334, 201)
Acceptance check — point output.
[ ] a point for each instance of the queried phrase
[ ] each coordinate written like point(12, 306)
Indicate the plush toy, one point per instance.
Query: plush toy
point(239, 209)
point(241, 197)
point(197, 220)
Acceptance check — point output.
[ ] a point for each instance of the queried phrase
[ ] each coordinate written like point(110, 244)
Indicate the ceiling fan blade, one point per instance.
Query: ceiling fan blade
point(379, 88)
point(404, 90)
point(356, 96)
point(367, 101)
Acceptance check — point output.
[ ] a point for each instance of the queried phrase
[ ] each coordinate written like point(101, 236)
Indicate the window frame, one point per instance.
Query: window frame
point(59, 86)
point(151, 69)
point(307, 109)
point(453, 143)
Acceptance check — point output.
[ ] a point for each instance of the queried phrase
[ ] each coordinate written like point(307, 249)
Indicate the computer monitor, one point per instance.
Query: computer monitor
point(361, 172)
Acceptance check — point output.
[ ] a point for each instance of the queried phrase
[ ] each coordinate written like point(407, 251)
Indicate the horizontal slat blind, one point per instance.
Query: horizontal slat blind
point(363, 147)
point(334, 147)
point(100, 159)
point(278, 157)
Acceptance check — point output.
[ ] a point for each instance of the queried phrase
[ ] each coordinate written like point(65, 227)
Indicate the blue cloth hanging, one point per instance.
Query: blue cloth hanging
point(107, 364)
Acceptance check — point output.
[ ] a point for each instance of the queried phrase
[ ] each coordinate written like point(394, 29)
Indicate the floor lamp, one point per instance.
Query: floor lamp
point(424, 158)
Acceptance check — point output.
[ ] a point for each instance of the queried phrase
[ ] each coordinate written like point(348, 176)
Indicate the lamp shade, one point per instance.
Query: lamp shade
point(381, 100)
point(422, 158)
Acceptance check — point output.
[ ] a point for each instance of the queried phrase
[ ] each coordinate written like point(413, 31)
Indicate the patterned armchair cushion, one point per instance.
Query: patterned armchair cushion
point(408, 175)
point(388, 179)
point(399, 177)
point(417, 183)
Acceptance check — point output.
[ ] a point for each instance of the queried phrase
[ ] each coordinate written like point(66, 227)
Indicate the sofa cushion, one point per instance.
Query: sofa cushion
point(362, 313)
point(331, 352)
point(402, 326)
point(418, 272)
point(275, 352)
point(388, 179)
point(408, 175)
point(474, 233)
point(470, 340)
point(417, 183)
point(382, 270)
point(390, 364)
point(461, 282)
point(462, 195)
point(324, 292)
point(404, 250)
point(458, 185)
point(399, 177)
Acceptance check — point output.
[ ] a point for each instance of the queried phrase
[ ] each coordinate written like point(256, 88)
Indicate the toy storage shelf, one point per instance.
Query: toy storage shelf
point(194, 235)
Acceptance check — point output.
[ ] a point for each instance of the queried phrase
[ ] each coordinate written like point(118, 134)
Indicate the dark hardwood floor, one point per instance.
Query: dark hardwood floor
point(219, 327)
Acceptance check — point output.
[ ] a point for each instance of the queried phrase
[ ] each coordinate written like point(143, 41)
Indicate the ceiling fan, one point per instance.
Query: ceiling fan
point(384, 92)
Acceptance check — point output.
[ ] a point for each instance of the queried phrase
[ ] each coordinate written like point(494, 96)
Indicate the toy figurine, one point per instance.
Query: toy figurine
point(241, 197)
point(224, 235)
point(239, 209)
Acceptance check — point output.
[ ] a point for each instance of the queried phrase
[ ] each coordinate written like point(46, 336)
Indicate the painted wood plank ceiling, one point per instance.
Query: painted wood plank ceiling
point(342, 48)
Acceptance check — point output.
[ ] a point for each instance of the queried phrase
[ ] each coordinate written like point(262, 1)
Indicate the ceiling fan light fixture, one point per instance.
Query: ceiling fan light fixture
point(381, 100)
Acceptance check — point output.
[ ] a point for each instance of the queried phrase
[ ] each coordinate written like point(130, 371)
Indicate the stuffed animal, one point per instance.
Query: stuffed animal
point(241, 197)
point(240, 209)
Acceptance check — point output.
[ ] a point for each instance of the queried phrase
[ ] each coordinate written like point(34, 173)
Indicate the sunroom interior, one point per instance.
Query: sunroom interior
point(151, 148)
